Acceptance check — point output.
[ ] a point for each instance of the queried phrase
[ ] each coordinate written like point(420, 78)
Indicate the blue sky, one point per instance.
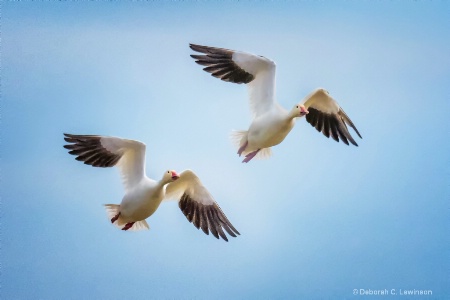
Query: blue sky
point(317, 220)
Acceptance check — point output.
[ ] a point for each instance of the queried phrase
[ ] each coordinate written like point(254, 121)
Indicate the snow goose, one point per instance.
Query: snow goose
point(271, 122)
point(144, 195)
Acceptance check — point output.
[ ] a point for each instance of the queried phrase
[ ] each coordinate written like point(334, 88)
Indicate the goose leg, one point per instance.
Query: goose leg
point(242, 148)
point(115, 218)
point(128, 226)
point(249, 156)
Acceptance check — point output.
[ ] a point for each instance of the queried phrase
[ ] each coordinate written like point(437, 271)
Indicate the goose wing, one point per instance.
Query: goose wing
point(240, 67)
point(198, 205)
point(106, 151)
point(328, 117)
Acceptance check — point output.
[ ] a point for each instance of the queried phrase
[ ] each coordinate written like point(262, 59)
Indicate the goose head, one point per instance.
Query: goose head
point(170, 176)
point(299, 110)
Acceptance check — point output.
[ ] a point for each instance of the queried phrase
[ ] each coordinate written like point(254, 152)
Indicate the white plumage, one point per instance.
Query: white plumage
point(143, 195)
point(271, 122)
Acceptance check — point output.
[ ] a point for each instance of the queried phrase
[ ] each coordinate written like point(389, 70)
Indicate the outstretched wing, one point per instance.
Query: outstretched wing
point(328, 117)
point(105, 151)
point(199, 206)
point(241, 67)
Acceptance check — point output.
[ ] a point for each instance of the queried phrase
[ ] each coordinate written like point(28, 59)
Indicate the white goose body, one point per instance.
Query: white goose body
point(142, 201)
point(143, 195)
point(269, 129)
point(271, 122)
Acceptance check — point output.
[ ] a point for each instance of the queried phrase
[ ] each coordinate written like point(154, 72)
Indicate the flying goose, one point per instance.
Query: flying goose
point(144, 195)
point(271, 123)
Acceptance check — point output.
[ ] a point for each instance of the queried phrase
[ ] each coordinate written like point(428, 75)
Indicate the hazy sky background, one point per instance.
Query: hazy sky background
point(317, 220)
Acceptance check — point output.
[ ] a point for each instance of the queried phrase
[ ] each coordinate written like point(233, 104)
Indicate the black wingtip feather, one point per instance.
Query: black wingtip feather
point(332, 124)
point(209, 218)
point(219, 62)
point(88, 148)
